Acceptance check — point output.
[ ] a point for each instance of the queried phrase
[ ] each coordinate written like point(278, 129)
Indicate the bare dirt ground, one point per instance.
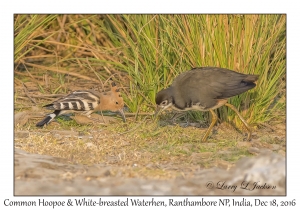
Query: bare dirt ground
point(137, 158)
point(46, 175)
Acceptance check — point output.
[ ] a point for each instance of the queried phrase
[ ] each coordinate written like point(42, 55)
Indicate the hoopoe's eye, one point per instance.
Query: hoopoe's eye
point(117, 102)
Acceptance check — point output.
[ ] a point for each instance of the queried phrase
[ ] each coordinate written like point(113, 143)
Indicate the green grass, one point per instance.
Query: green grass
point(144, 53)
point(157, 48)
point(27, 29)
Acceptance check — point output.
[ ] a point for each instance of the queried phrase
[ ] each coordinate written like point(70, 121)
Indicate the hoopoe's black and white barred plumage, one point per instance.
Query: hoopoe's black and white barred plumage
point(86, 102)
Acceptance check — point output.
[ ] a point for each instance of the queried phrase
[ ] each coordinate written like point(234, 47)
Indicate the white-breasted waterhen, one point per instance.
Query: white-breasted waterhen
point(206, 89)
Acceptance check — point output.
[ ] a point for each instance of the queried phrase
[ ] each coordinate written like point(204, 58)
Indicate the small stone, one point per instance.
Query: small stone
point(265, 151)
point(82, 120)
point(21, 118)
point(275, 147)
point(253, 150)
point(257, 144)
point(282, 152)
point(202, 155)
point(243, 144)
point(223, 164)
point(21, 134)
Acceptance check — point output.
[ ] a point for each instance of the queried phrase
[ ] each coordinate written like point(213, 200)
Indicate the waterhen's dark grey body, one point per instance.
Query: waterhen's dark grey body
point(205, 89)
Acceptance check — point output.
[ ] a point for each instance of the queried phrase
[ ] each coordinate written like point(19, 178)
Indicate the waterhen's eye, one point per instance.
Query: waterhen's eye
point(165, 102)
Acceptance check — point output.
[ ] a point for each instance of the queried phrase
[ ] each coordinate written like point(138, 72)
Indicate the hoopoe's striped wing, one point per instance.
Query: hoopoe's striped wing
point(81, 100)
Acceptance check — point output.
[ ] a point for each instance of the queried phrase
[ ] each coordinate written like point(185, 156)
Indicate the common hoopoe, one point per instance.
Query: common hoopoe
point(86, 102)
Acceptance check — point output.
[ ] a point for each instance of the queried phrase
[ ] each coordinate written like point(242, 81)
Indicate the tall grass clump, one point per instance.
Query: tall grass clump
point(146, 52)
point(154, 49)
point(27, 29)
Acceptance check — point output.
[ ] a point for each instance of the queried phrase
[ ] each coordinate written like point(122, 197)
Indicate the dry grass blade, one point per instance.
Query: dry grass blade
point(26, 92)
point(62, 71)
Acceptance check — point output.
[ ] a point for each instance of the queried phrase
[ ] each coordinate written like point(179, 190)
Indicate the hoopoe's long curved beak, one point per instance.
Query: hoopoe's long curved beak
point(121, 111)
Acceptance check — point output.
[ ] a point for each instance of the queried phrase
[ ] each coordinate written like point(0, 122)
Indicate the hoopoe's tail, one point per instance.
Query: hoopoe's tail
point(48, 119)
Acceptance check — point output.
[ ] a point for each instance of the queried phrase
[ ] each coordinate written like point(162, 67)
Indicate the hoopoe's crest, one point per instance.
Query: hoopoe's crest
point(85, 102)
